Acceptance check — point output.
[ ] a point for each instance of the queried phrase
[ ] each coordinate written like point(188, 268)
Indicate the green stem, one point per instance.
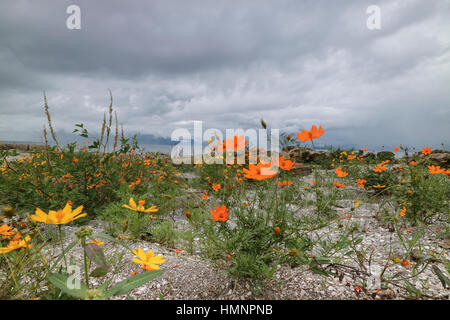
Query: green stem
point(62, 246)
point(86, 267)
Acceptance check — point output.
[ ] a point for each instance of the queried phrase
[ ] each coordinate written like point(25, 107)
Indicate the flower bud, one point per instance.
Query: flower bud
point(8, 211)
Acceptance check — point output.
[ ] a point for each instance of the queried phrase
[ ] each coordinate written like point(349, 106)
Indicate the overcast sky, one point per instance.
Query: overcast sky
point(230, 63)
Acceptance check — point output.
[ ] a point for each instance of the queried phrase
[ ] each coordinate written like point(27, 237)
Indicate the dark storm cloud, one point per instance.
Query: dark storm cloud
point(229, 63)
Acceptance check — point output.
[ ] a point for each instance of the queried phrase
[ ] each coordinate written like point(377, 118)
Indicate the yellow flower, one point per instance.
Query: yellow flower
point(97, 242)
point(63, 216)
point(139, 207)
point(147, 260)
point(16, 243)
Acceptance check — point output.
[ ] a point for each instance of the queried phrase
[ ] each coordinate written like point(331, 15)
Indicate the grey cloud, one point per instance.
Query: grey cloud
point(230, 63)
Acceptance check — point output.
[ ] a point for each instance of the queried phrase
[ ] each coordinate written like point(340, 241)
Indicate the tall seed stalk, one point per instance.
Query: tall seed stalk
point(108, 127)
point(116, 136)
point(49, 120)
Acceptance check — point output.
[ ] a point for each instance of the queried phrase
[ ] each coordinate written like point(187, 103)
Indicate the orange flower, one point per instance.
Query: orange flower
point(426, 151)
point(436, 169)
point(396, 149)
point(260, 171)
point(216, 187)
point(414, 163)
point(75, 160)
point(365, 149)
point(285, 164)
point(402, 212)
point(277, 230)
point(188, 214)
point(5, 230)
point(313, 182)
point(340, 173)
point(234, 144)
point(379, 167)
point(309, 135)
point(338, 185)
point(361, 182)
point(406, 263)
point(220, 213)
point(205, 196)
point(284, 183)
point(378, 186)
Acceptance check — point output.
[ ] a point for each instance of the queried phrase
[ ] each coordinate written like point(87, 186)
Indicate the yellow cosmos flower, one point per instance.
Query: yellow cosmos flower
point(147, 260)
point(97, 242)
point(16, 243)
point(140, 206)
point(63, 216)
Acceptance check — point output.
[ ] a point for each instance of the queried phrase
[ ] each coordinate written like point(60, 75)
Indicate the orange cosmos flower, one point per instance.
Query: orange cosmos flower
point(414, 163)
point(402, 212)
point(285, 164)
point(216, 187)
point(340, 173)
point(284, 183)
point(436, 169)
point(406, 263)
point(188, 214)
point(309, 135)
point(379, 167)
point(338, 185)
point(396, 149)
point(5, 230)
point(277, 230)
point(361, 182)
point(205, 196)
point(379, 186)
point(426, 151)
point(220, 213)
point(260, 171)
point(234, 144)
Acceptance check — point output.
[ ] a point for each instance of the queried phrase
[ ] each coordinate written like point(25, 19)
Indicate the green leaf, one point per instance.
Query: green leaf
point(132, 283)
point(444, 280)
point(60, 281)
point(99, 272)
point(95, 253)
point(104, 285)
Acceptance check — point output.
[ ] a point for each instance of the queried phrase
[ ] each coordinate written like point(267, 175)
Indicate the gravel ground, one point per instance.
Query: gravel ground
point(192, 277)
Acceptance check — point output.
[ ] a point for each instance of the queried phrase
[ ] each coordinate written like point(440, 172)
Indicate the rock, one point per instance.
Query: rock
point(385, 155)
point(308, 155)
point(440, 158)
point(301, 170)
point(21, 147)
point(369, 155)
